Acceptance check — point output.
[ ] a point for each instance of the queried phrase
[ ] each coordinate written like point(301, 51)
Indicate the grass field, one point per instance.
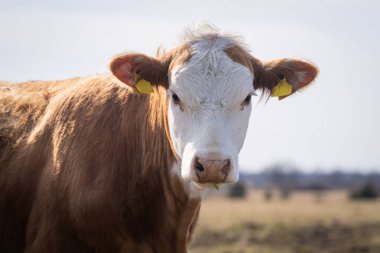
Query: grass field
point(305, 223)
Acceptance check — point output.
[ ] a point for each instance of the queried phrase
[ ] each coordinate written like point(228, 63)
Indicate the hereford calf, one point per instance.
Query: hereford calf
point(93, 165)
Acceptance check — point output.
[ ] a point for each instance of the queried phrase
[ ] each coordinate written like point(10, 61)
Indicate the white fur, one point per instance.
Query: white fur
point(211, 88)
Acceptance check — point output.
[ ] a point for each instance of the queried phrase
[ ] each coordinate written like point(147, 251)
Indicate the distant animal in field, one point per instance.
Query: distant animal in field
point(119, 162)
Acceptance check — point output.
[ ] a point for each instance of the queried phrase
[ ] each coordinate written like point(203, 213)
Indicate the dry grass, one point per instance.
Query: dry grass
point(302, 208)
point(304, 223)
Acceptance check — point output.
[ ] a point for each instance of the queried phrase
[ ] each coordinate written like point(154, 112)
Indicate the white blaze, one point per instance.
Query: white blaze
point(211, 119)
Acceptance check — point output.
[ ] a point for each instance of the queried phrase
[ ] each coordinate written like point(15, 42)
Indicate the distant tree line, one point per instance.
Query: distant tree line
point(287, 175)
point(283, 179)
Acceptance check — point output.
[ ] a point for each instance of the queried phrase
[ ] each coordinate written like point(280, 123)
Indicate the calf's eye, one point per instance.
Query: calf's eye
point(247, 100)
point(176, 99)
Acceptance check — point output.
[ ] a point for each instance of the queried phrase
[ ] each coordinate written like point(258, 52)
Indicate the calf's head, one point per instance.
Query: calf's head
point(210, 80)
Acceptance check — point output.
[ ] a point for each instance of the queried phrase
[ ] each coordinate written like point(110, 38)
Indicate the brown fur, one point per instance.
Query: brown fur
point(90, 172)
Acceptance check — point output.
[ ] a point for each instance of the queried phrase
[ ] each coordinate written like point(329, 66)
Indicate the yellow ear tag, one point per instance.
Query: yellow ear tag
point(144, 86)
point(282, 89)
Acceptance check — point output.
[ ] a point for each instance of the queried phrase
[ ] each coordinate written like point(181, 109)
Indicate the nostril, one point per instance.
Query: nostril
point(226, 168)
point(199, 167)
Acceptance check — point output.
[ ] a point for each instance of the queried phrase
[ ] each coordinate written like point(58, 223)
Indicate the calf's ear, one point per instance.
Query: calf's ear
point(132, 68)
point(283, 77)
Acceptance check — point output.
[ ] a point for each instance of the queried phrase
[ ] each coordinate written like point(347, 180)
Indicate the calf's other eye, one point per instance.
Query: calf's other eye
point(247, 100)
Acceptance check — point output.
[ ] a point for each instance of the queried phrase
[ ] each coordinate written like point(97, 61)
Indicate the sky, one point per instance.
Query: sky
point(333, 124)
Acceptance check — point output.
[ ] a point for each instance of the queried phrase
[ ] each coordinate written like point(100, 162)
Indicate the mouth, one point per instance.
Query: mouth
point(207, 185)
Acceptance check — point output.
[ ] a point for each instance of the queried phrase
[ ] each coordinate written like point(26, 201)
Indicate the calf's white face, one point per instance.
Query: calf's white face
point(208, 114)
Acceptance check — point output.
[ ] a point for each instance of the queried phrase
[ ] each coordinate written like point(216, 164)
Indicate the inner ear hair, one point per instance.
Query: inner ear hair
point(130, 67)
point(127, 67)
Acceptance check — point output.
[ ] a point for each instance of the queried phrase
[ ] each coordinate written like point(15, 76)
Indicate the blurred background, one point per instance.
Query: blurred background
point(310, 164)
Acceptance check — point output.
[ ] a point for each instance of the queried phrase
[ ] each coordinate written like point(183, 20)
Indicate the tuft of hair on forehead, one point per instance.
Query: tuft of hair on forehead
point(208, 32)
point(205, 37)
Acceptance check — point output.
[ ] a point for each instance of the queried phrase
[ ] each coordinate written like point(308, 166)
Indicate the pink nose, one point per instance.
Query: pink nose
point(212, 168)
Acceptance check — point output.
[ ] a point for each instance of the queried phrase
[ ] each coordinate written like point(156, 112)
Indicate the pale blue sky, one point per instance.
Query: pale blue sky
point(334, 123)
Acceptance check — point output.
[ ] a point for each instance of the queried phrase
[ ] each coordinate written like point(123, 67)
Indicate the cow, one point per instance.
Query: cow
point(120, 162)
